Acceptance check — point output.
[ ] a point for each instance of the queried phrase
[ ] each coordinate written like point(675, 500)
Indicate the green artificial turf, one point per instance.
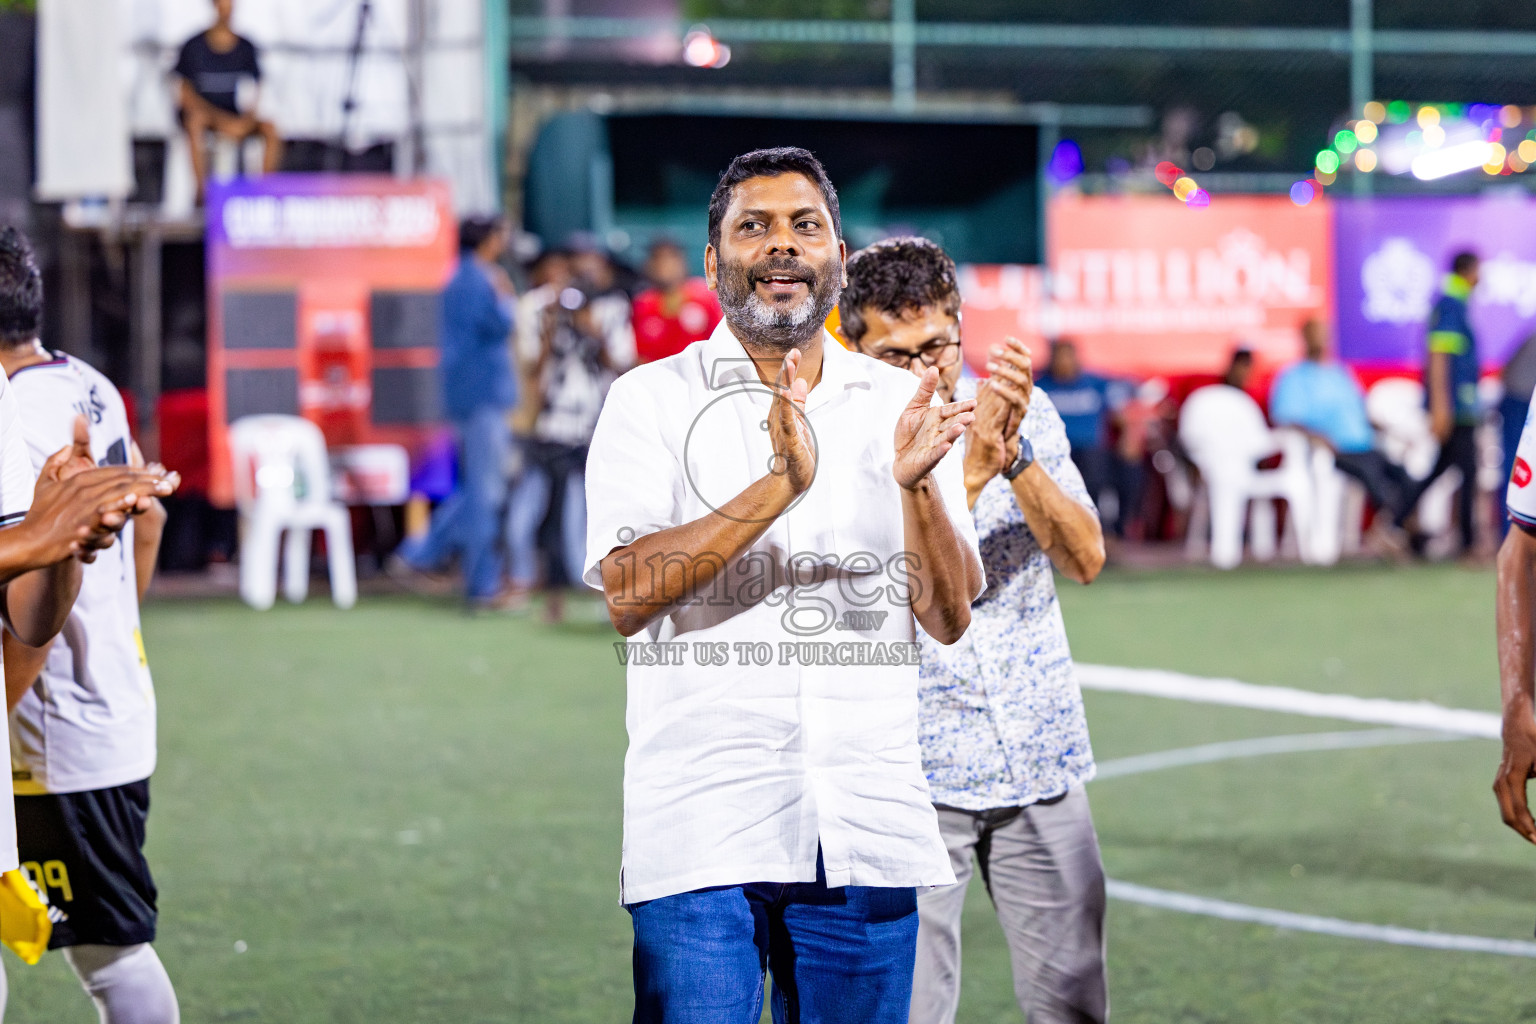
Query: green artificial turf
point(401, 814)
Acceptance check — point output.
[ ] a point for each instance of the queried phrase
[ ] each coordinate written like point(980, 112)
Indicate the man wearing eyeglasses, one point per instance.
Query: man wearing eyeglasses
point(1004, 738)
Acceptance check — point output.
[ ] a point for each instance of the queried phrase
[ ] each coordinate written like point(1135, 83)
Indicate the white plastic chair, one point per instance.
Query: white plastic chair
point(1395, 406)
point(1338, 506)
point(1224, 432)
point(283, 483)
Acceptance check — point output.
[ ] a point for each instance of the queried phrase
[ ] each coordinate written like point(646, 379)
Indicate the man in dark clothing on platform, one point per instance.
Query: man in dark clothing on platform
point(211, 66)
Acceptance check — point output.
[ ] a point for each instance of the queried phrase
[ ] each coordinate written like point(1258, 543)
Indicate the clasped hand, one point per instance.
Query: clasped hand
point(1002, 400)
point(79, 508)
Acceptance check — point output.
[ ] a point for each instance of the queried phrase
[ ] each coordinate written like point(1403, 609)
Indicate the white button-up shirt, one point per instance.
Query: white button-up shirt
point(778, 709)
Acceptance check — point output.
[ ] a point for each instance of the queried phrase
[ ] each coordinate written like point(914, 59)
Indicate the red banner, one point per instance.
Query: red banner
point(1147, 286)
point(323, 297)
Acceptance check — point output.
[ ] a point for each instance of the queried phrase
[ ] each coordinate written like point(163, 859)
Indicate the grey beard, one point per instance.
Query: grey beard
point(759, 323)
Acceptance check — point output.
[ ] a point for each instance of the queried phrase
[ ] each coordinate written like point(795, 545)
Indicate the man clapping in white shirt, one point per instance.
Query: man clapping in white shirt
point(767, 515)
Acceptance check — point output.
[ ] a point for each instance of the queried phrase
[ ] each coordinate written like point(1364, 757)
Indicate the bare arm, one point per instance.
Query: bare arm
point(1437, 382)
point(646, 579)
point(193, 103)
point(23, 665)
point(148, 530)
point(76, 512)
point(1516, 618)
point(947, 575)
point(1068, 531)
point(37, 603)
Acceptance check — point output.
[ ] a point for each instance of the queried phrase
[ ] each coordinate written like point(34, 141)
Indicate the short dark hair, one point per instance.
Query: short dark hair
point(770, 163)
point(473, 231)
point(1464, 261)
point(898, 275)
point(21, 289)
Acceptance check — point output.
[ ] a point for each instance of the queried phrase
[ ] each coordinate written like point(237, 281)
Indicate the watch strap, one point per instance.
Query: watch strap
point(1022, 461)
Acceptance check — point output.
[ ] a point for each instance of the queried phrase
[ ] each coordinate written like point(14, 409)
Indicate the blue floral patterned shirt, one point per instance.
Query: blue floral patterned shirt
point(1002, 721)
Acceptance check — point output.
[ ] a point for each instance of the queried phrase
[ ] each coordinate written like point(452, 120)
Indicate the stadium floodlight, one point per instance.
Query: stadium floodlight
point(1442, 163)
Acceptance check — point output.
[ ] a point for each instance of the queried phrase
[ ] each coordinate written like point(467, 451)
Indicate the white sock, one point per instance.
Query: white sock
point(128, 983)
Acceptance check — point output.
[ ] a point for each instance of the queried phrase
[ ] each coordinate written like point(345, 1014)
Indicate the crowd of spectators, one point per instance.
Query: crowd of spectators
point(526, 375)
point(524, 379)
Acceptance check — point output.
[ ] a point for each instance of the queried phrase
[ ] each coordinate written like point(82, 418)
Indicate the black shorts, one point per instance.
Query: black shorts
point(86, 851)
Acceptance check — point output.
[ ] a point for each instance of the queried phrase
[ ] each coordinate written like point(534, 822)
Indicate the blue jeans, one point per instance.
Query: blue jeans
point(468, 521)
point(838, 956)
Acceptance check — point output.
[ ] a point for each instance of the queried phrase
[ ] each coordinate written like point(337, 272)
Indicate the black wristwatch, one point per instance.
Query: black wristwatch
point(1022, 461)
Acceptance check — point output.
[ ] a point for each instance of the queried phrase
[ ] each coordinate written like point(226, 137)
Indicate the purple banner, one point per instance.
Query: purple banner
point(1393, 254)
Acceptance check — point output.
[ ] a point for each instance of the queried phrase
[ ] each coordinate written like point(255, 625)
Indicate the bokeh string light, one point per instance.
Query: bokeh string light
point(1427, 140)
point(1184, 188)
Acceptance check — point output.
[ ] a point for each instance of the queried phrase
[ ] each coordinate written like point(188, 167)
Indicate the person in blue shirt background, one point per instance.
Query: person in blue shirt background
point(1088, 404)
point(479, 389)
point(1451, 372)
point(1320, 396)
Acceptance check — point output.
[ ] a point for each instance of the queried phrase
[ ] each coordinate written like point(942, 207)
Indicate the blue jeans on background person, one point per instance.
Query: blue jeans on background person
point(469, 520)
point(526, 506)
point(838, 956)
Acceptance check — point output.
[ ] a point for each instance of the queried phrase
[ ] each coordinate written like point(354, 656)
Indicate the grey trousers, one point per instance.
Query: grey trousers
point(1041, 867)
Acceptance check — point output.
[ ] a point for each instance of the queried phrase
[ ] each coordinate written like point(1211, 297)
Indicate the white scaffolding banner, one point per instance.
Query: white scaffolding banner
point(83, 148)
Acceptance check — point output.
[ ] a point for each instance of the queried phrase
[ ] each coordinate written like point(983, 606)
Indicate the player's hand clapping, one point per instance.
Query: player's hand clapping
point(992, 440)
point(78, 508)
point(794, 450)
point(925, 432)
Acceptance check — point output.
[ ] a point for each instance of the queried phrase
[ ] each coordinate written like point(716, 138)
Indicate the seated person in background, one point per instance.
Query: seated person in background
point(1088, 404)
point(211, 66)
point(1321, 397)
point(1239, 370)
point(676, 310)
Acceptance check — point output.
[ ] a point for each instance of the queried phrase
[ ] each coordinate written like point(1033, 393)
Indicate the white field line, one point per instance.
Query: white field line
point(1403, 714)
point(1266, 745)
point(1416, 722)
point(1207, 907)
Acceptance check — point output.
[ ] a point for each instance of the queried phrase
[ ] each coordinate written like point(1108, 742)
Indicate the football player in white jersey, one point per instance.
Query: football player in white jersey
point(1516, 607)
point(82, 713)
